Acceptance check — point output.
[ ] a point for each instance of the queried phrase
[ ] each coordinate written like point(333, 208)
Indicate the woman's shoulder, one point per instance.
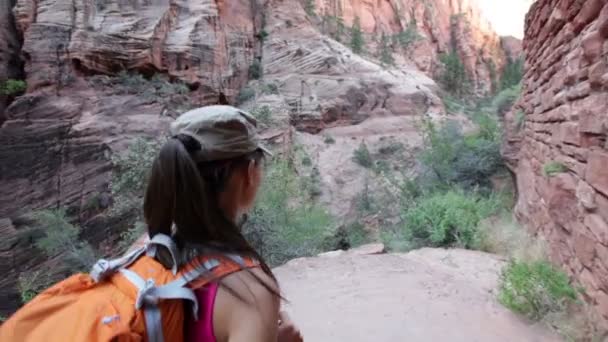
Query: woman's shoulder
point(250, 285)
point(246, 304)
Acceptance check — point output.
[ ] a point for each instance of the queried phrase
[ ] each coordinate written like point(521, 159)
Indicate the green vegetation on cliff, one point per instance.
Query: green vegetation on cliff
point(357, 42)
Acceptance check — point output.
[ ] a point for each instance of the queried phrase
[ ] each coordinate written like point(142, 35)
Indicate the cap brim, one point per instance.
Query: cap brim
point(265, 150)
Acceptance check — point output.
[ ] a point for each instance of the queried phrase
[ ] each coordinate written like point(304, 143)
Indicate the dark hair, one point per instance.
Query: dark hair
point(184, 193)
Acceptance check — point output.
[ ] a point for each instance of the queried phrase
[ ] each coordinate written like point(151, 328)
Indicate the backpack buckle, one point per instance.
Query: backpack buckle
point(146, 295)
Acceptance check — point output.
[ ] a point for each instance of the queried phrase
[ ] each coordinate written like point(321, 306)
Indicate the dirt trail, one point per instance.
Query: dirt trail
point(425, 295)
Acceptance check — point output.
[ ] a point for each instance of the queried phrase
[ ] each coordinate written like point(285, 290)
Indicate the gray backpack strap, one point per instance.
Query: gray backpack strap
point(149, 295)
point(104, 268)
point(167, 242)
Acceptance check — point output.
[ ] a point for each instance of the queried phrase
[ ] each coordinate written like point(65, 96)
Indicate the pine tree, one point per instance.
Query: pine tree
point(386, 55)
point(357, 41)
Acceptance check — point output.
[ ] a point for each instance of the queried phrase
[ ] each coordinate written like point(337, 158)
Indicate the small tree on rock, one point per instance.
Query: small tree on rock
point(357, 41)
point(386, 55)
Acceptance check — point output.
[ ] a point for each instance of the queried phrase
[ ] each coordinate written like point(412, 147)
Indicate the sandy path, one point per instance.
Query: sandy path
point(426, 295)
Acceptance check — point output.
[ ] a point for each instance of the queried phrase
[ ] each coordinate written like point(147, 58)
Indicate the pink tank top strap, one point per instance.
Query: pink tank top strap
point(202, 329)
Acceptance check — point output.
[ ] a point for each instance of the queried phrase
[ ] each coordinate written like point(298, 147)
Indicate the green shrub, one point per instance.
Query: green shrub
point(513, 73)
point(130, 173)
point(309, 7)
point(306, 161)
point(60, 236)
point(13, 87)
point(534, 289)
point(505, 99)
point(408, 36)
point(365, 200)
point(131, 235)
point(270, 88)
point(31, 284)
point(448, 219)
point(454, 76)
point(285, 223)
point(329, 140)
point(362, 156)
point(263, 35)
point(391, 148)
point(132, 83)
point(312, 183)
point(163, 87)
point(465, 160)
point(350, 236)
point(357, 42)
point(256, 71)
point(246, 94)
point(263, 114)
point(554, 168)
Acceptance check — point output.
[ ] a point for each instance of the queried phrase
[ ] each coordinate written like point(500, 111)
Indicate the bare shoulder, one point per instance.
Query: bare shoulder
point(246, 307)
point(250, 285)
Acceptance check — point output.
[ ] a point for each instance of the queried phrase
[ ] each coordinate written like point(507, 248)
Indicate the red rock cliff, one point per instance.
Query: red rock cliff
point(565, 107)
point(438, 22)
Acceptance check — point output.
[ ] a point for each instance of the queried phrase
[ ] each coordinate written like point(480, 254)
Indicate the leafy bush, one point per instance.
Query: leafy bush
point(31, 284)
point(263, 114)
point(13, 87)
point(362, 156)
point(129, 236)
point(285, 224)
point(312, 183)
point(454, 75)
point(357, 42)
point(553, 168)
point(513, 73)
point(408, 36)
point(245, 95)
point(505, 99)
point(163, 87)
point(329, 140)
point(534, 289)
point(270, 88)
point(60, 236)
point(454, 158)
point(306, 161)
point(448, 219)
point(350, 236)
point(256, 70)
point(130, 173)
point(132, 83)
point(309, 7)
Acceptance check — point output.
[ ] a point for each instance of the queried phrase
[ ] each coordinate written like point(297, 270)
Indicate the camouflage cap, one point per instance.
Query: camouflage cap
point(224, 132)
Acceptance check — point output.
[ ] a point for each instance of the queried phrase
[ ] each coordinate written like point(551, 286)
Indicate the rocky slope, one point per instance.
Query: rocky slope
point(93, 67)
point(425, 295)
point(557, 138)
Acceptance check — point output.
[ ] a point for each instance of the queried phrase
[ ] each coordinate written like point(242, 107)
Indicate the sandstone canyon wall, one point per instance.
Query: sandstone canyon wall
point(565, 107)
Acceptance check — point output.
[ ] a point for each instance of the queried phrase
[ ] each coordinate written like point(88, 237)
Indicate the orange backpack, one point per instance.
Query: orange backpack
point(133, 298)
